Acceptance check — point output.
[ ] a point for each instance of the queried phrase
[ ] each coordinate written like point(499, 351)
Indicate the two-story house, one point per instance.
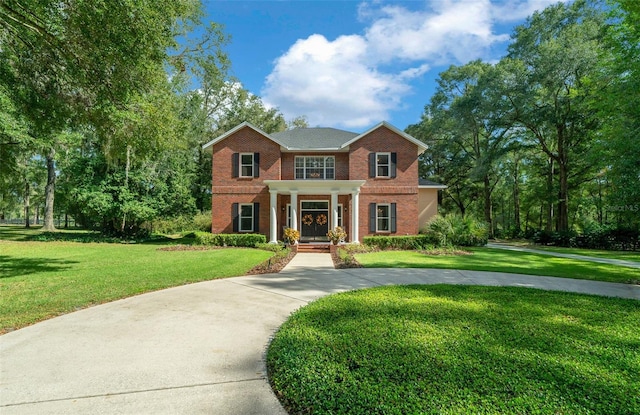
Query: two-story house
point(314, 179)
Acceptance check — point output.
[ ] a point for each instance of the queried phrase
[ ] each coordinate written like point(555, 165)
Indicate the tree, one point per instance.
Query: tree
point(552, 58)
point(468, 113)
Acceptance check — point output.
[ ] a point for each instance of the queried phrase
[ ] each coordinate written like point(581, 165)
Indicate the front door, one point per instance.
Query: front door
point(314, 221)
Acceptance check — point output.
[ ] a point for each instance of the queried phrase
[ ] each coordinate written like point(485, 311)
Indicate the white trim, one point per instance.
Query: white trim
point(422, 147)
point(314, 187)
point(240, 217)
point(340, 218)
point(209, 146)
point(241, 165)
point(432, 186)
point(305, 167)
point(388, 154)
point(388, 217)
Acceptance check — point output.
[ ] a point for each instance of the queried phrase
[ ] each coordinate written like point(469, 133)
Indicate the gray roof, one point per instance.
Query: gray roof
point(429, 183)
point(314, 138)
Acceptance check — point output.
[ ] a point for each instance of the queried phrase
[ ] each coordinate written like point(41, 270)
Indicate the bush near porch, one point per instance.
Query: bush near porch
point(247, 240)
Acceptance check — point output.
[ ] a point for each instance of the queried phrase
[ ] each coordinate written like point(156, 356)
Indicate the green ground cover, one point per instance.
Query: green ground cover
point(39, 280)
point(499, 260)
point(459, 350)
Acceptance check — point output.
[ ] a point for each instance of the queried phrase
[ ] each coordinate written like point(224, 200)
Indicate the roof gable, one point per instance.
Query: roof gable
point(209, 146)
point(421, 146)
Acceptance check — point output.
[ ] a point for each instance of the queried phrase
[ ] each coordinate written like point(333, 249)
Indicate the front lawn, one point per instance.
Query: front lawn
point(39, 280)
point(499, 260)
point(459, 350)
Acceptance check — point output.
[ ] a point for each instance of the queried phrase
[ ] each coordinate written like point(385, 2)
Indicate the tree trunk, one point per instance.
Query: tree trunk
point(49, 191)
point(549, 193)
point(516, 197)
point(563, 199)
point(126, 186)
point(487, 205)
point(27, 199)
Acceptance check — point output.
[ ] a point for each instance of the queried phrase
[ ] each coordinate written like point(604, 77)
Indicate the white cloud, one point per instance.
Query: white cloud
point(356, 80)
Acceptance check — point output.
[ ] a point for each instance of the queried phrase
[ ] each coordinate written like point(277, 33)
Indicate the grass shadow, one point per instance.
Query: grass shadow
point(14, 267)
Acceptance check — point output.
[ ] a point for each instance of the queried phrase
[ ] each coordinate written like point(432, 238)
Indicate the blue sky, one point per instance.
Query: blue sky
point(351, 64)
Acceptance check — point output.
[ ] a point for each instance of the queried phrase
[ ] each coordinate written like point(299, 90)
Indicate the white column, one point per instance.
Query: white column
point(355, 216)
point(294, 210)
point(273, 216)
point(334, 209)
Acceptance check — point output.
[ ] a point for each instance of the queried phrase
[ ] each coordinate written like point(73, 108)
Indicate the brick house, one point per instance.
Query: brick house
point(314, 179)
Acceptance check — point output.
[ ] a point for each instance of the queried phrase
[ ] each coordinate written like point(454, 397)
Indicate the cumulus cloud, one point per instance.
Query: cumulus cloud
point(356, 80)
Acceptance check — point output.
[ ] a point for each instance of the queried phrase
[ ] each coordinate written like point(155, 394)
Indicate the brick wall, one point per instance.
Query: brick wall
point(403, 189)
point(227, 190)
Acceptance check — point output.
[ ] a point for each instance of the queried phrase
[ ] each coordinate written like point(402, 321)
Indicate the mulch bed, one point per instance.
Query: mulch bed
point(272, 266)
point(189, 248)
point(338, 263)
point(437, 252)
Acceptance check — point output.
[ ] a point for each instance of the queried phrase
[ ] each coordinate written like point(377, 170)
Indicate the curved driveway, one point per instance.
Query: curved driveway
point(199, 348)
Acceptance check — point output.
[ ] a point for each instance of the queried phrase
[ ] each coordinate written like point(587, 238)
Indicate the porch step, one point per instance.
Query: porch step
point(313, 248)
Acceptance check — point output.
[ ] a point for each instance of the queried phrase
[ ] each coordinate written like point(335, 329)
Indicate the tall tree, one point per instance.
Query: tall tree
point(553, 56)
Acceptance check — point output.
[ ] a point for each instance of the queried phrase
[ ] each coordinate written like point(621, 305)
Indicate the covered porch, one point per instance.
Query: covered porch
point(313, 207)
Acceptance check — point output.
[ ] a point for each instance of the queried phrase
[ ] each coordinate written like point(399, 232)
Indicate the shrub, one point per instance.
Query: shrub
point(199, 222)
point(455, 230)
point(397, 242)
point(291, 235)
point(249, 240)
point(594, 237)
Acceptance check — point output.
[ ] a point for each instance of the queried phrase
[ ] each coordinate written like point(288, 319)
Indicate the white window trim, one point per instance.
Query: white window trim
point(288, 215)
point(304, 167)
point(240, 217)
point(241, 165)
point(388, 164)
point(388, 205)
point(340, 215)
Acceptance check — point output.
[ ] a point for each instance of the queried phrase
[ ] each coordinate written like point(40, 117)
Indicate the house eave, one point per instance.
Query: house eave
point(309, 187)
point(422, 147)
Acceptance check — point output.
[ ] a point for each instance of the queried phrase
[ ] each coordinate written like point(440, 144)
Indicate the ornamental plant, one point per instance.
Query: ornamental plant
point(336, 235)
point(291, 236)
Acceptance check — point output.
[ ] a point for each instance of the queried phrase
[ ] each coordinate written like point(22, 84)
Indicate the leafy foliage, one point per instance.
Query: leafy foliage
point(249, 240)
point(451, 349)
point(455, 230)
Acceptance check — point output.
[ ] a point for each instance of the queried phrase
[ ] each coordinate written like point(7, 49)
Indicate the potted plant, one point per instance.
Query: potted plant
point(337, 235)
point(291, 236)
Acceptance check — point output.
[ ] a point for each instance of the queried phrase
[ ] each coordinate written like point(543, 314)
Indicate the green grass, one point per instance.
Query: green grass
point(39, 280)
point(459, 350)
point(487, 259)
point(623, 255)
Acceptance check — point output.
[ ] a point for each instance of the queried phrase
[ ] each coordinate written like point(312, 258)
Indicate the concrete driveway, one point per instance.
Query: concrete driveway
point(199, 348)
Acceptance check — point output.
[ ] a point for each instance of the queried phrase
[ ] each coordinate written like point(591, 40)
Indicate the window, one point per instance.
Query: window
point(382, 165)
point(246, 164)
point(383, 216)
point(383, 162)
point(340, 214)
point(315, 167)
point(245, 217)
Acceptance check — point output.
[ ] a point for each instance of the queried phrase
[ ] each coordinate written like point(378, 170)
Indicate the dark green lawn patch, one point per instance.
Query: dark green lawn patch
point(487, 259)
point(459, 350)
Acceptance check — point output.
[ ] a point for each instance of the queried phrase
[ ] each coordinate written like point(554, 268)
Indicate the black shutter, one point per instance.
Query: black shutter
point(392, 167)
point(372, 164)
point(372, 217)
point(256, 164)
point(256, 217)
point(393, 218)
point(235, 217)
point(235, 161)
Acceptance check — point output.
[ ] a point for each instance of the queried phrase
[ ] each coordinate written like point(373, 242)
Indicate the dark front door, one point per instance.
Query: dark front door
point(314, 225)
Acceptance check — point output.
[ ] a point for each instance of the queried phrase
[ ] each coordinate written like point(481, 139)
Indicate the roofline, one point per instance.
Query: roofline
point(209, 146)
point(422, 147)
point(432, 186)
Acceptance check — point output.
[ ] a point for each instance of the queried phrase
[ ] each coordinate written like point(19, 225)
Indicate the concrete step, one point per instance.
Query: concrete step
point(313, 248)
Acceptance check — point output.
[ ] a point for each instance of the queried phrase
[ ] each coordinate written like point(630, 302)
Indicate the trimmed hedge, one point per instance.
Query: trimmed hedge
point(249, 240)
point(399, 242)
point(604, 237)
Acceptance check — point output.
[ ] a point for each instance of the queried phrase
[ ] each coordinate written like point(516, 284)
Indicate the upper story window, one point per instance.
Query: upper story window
point(382, 165)
point(315, 167)
point(246, 164)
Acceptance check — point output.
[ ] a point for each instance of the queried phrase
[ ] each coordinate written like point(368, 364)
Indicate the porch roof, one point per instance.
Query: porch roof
point(314, 187)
